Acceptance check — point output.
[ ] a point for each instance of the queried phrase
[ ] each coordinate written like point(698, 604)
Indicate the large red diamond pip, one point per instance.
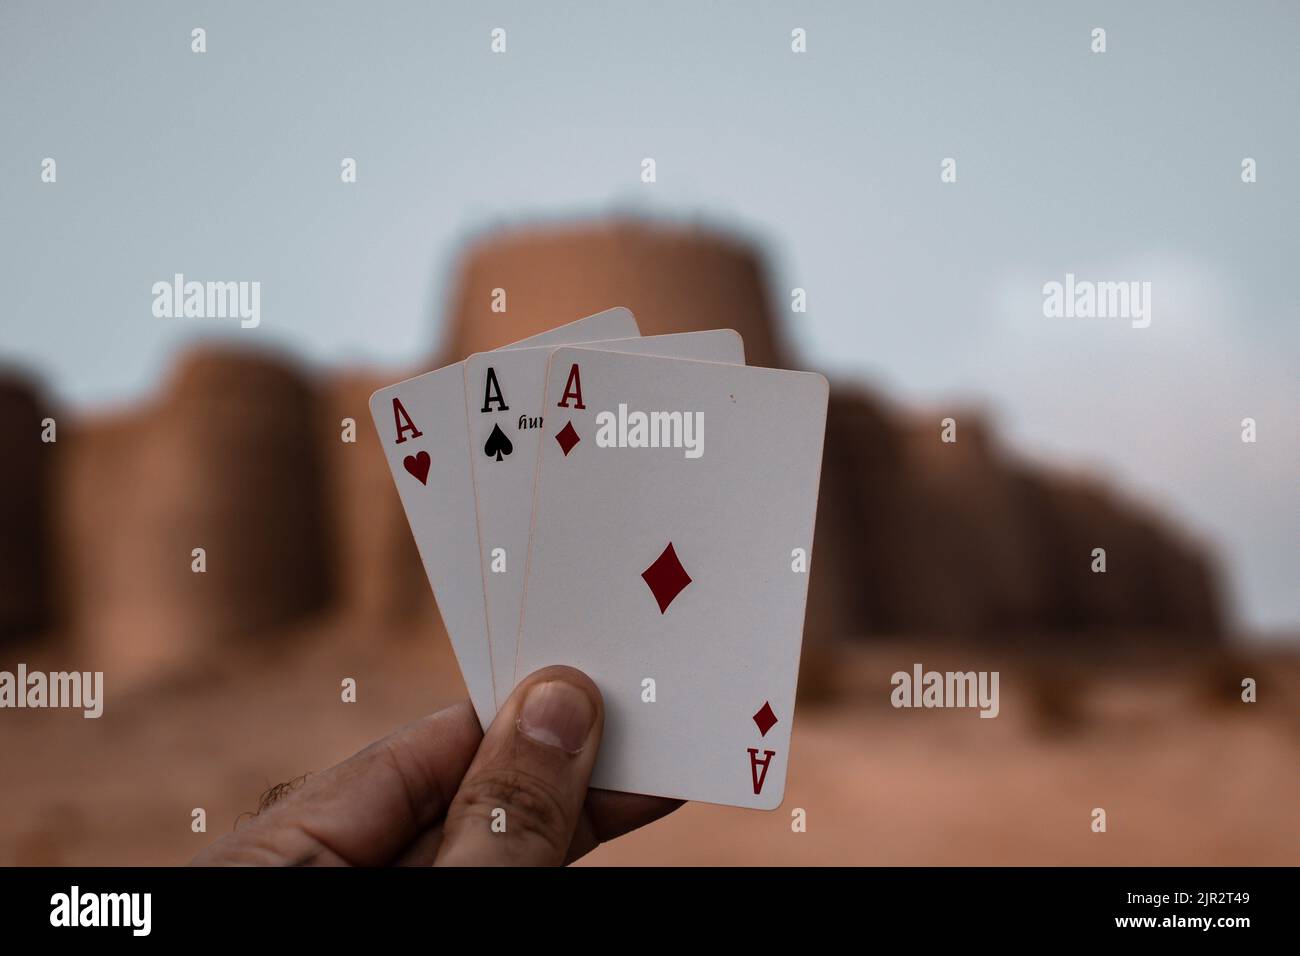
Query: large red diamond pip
point(666, 578)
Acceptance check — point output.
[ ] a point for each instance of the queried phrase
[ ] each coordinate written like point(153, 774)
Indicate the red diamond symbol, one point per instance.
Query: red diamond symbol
point(765, 718)
point(666, 577)
point(567, 437)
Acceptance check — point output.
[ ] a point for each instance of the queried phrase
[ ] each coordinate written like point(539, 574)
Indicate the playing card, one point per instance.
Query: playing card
point(422, 426)
point(503, 393)
point(672, 537)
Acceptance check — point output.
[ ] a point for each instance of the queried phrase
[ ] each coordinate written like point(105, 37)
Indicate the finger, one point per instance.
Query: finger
point(609, 814)
point(367, 809)
point(423, 850)
point(605, 815)
point(520, 802)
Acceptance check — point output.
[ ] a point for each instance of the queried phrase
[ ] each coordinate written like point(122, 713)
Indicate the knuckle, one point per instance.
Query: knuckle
point(533, 805)
point(420, 789)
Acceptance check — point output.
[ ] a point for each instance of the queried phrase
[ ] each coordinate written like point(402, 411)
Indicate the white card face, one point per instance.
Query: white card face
point(421, 424)
point(676, 576)
point(503, 394)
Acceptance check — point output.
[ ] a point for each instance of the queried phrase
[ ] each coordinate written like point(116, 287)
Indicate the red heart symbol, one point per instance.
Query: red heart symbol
point(417, 465)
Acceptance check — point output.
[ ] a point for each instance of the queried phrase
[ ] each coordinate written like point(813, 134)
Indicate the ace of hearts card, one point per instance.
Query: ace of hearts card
point(422, 426)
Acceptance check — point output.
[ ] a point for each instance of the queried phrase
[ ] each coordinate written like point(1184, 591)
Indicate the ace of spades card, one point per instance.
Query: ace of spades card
point(503, 393)
point(672, 532)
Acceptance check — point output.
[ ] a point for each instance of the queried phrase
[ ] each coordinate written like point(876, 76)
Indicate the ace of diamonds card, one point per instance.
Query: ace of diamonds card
point(672, 534)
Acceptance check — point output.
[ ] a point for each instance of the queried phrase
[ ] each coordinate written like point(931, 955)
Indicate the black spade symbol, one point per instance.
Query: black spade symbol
point(498, 445)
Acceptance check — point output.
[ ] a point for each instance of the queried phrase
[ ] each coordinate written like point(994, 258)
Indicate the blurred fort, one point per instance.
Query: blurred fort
point(240, 453)
point(1123, 687)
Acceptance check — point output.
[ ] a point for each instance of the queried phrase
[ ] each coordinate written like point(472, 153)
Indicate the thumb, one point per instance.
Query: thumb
point(522, 796)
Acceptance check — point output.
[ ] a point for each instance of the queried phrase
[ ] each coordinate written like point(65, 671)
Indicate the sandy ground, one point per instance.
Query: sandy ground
point(1186, 772)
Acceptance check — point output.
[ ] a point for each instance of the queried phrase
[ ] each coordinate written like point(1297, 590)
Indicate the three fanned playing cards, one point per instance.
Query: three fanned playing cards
point(641, 509)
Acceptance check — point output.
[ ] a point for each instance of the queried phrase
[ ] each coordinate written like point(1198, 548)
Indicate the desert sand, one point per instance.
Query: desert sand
point(1187, 773)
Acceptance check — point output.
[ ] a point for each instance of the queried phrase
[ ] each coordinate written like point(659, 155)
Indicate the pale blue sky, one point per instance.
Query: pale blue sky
point(1116, 166)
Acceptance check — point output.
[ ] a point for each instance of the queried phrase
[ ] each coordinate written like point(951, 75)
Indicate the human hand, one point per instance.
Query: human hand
point(429, 793)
